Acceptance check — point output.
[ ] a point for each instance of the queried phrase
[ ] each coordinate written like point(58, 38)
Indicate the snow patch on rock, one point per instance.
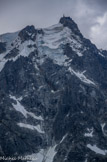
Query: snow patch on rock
point(89, 133)
point(22, 110)
point(97, 150)
point(81, 76)
point(32, 127)
point(43, 155)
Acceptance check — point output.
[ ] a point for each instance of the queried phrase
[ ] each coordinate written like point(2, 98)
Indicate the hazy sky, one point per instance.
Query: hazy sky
point(90, 15)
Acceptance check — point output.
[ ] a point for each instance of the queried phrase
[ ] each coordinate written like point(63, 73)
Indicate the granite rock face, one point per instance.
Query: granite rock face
point(2, 47)
point(53, 95)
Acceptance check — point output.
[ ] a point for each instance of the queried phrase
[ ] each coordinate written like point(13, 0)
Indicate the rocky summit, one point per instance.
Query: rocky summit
point(53, 95)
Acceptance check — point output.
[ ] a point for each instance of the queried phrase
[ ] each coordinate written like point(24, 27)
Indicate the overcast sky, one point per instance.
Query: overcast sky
point(90, 15)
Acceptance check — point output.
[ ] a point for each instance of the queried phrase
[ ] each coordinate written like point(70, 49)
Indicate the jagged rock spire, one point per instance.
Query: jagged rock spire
point(29, 32)
point(68, 22)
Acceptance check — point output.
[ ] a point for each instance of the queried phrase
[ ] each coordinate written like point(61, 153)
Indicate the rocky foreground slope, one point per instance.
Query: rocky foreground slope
point(53, 95)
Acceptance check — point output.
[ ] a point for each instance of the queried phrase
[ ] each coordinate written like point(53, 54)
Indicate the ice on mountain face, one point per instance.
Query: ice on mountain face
point(56, 26)
point(32, 127)
point(25, 50)
point(54, 37)
point(81, 76)
point(97, 150)
point(56, 55)
point(23, 111)
point(51, 43)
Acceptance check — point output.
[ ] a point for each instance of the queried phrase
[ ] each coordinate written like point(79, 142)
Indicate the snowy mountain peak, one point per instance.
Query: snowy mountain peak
point(28, 33)
point(53, 95)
